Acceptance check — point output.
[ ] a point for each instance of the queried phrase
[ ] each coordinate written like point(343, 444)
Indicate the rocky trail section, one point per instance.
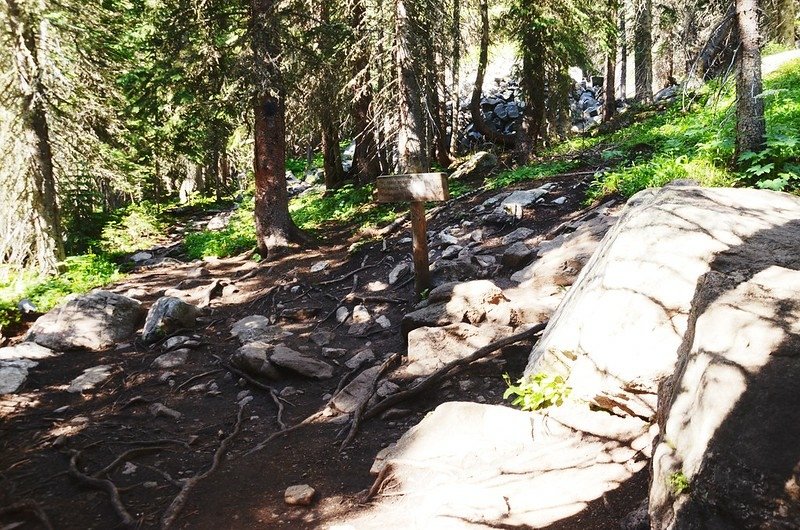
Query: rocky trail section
point(219, 356)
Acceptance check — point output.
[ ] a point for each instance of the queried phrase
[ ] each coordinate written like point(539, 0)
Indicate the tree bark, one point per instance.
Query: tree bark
point(274, 227)
point(455, 124)
point(750, 123)
point(477, 89)
point(48, 252)
point(623, 54)
point(366, 166)
point(533, 84)
point(610, 103)
point(411, 148)
point(643, 50)
point(331, 151)
point(785, 28)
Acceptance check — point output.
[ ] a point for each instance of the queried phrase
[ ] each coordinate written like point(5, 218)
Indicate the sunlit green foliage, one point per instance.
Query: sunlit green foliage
point(239, 236)
point(537, 391)
point(533, 172)
point(346, 205)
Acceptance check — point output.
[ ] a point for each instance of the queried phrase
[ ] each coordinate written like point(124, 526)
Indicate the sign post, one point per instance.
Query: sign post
point(416, 188)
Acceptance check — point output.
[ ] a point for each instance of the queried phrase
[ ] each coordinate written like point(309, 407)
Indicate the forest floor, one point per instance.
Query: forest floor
point(45, 425)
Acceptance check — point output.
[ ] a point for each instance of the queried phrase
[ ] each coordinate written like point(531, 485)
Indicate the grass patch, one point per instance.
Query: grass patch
point(237, 237)
point(83, 273)
point(346, 205)
point(533, 172)
point(699, 144)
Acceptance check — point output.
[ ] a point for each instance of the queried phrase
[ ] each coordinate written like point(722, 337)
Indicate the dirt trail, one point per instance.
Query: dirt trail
point(43, 425)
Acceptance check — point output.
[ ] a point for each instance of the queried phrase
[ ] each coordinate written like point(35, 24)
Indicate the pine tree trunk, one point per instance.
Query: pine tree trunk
point(643, 50)
point(623, 54)
point(477, 89)
point(366, 166)
point(785, 30)
point(533, 84)
point(331, 151)
point(750, 123)
point(610, 103)
point(48, 251)
point(411, 149)
point(455, 125)
point(274, 227)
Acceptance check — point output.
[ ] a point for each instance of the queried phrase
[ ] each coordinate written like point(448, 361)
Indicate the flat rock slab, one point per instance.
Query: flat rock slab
point(96, 321)
point(258, 328)
point(253, 358)
point(431, 348)
point(299, 495)
point(617, 333)
point(13, 374)
point(731, 417)
point(171, 359)
point(468, 465)
point(300, 362)
point(90, 378)
point(26, 350)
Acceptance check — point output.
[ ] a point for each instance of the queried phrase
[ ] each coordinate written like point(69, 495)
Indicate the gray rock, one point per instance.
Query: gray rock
point(518, 201)
point(319, 266)
point(355, 392)
point(560, 200)
point(485, 260)
point(90, 378)
point(478, 166)
point(399, 271)
point(520, 234)
point(517, 255)
point(171, 359)
point(258, 327)
point(300, 362)
point(333, 352)
point(26, 350)
point(495, 200)
point(253, 358)
point(358, 329)
point(161, 410)
point(300, 495)
point(322, 338)
point(166, 315)
point(342, 314)
point(361, 314)
point(96, 321)
point(384, 322)
point(451, 251)
point(460, 270)
point(363, 356)
point(431, 348)
point(141, 256)
point(13, 374)
point(729, 417)
point(446, 239)
point(219, 221)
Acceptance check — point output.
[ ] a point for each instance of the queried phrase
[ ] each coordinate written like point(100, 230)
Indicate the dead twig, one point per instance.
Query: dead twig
point(180, 499)
point(359, 412)
point(196, 377)
point(101, 484)
point(349, 274)
point(440, 374)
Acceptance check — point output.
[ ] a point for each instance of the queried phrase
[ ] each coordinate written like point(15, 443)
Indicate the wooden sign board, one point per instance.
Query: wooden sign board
point(417, 187)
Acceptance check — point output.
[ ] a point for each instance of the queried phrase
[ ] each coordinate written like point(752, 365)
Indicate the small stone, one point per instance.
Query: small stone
point(404, 241)
point(480, 399)
point(326, 397)
point(149, 485)
point(446, 239)
point(172, 359)
point(319, 266)
point(520, 234)
point(360, 358)
point(485, 261)
point(384, 322)
point(358, 329)
point(342, 314)
point(560, 200)
point(333, 352)
point(59, 410)
point(129, 468)
point(302, 363)
point(322, 338)
point(245, 400)
point(242, 394)
point(159, 409)
point(141, 256)
point(452, 251)
point(165, 377)
point(289, 391)
point(465, 385)
point(361, 314)
point(300, 495)
point(398, 272)
point(476, 235)
point(200, 387)
point(198, 272)
point(174, 342)
point(295, 289)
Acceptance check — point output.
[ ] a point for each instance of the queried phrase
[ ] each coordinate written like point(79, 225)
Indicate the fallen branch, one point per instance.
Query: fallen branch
point(196, 377)
point(438, 375)
point(349, 274)
point(180, 499)
point(359, 412)
point(101, 484)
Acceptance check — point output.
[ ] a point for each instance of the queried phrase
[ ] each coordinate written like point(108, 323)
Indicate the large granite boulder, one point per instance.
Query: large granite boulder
point(617, 333)
point(168, 314)
point(95, 321)
point(728, 453)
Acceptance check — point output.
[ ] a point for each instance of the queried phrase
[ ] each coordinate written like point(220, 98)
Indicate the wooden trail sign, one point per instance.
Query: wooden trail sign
point(416, 188)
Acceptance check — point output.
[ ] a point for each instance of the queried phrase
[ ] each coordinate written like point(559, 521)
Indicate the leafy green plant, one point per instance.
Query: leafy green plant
point(346, 205)
point(235, 238)
point(537, 391)
point(138, 226)
point(678, 483)
point(776, 168)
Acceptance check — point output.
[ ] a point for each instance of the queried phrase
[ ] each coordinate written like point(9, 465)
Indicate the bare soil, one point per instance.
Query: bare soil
point(246, 490)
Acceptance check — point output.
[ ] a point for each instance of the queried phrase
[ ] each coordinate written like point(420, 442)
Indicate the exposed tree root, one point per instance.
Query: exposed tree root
point(196, 377)
point(349, 274)
point(102, 484)
point(180, 499)
point(437, 376)
point(359, 412)
point(258, 384)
